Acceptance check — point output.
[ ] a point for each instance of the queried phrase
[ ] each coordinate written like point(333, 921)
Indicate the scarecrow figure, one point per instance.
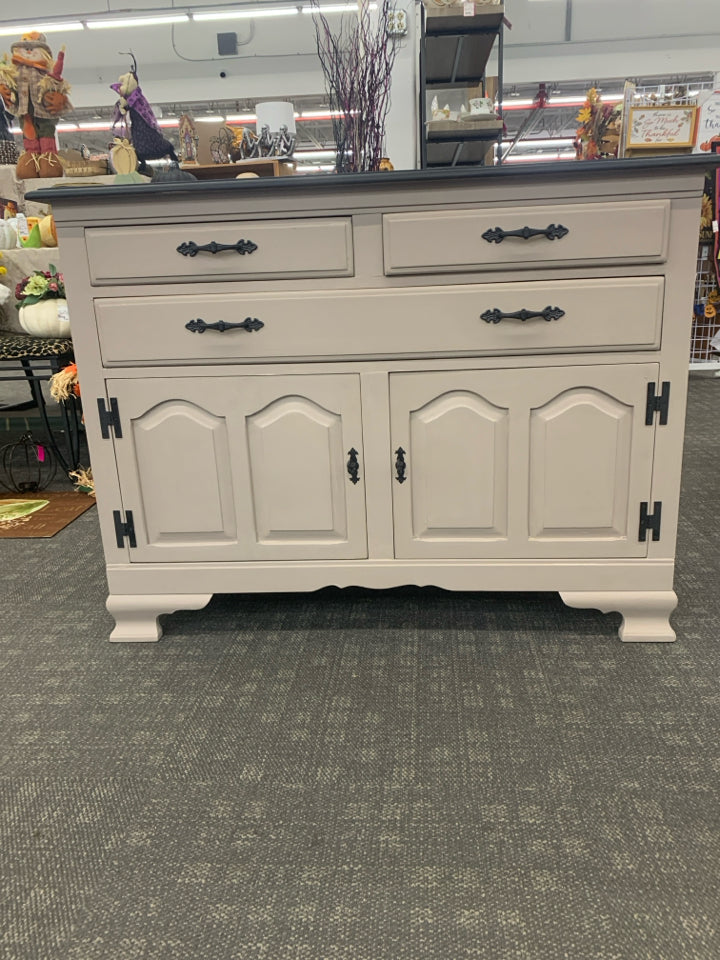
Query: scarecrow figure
point(143, 131)
point(9, 152)
point(32, 88)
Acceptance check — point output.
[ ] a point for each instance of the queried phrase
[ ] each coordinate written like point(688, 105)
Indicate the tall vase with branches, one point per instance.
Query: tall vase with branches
point(357, 60)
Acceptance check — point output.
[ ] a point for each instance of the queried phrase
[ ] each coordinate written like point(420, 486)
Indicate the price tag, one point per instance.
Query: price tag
point(62, 312)
point(468, 9)
point(715, 226)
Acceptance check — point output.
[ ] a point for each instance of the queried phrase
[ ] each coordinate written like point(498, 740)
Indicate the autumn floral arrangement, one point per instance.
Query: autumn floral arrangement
point(598, 136)
point(40, 285)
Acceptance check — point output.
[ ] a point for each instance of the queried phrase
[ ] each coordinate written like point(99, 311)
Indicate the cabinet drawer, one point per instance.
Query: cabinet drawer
point(453, 240)
point(608, 314)
point(319, 247)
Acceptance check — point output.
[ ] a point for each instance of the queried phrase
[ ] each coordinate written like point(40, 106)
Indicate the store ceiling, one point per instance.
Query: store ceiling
point(277, 59)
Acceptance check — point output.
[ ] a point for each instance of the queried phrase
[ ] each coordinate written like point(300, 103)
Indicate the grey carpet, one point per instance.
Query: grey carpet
point(352, 775)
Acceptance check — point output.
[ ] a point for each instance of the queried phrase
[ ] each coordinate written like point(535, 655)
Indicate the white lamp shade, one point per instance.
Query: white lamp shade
point(275, 114)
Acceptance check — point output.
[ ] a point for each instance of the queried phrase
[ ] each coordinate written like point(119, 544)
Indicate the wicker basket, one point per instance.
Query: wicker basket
point(83, 168)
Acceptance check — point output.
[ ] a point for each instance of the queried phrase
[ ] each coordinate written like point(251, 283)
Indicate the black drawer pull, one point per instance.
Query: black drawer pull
point(553, 232)
point(549, 313)
point(353, 467)
point(191, 249)
point(400, 465)
point(249, 324)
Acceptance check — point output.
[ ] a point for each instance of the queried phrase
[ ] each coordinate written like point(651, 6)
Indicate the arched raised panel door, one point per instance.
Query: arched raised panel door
point(580, 458)
point(179, 432)
point(590, 462)
point(303, 498)
point(454, 498)
point(459, 450)
point(296, 461)
point(175, 464)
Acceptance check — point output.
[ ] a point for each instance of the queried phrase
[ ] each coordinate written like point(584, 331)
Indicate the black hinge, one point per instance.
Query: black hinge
point(650, 521)
point(109, 418)
point(661, 403)
point(126, 529)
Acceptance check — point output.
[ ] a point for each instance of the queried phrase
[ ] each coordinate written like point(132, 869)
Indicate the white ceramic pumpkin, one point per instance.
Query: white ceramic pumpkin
point(8, 234)
point(46, 318)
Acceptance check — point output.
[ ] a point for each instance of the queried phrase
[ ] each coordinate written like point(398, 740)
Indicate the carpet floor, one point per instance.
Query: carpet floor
point(355, 775)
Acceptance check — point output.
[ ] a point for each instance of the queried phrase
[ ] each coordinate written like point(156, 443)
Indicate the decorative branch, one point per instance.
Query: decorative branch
point(357, 61)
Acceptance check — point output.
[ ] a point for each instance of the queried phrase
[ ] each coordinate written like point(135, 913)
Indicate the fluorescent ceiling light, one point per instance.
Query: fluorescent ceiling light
point(315, 154)
point(571, 101)
point(95, 125)
point(321, 114)
point(539, 157)
point(137, 21)
point(240, 118)
point(321, 168)
point(338, 8)
point(213, 119)
point(249, 14)
point(66, 126)
point(558, 102)
point(169, 123)
point(556, 142)
point(11, 31)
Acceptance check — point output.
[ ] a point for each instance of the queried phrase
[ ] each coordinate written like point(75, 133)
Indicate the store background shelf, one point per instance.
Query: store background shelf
point(460, 143)
point(454, 54)
point(457, 48)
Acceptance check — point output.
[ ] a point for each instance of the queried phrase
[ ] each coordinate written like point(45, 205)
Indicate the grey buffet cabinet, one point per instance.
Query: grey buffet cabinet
point(473, 379)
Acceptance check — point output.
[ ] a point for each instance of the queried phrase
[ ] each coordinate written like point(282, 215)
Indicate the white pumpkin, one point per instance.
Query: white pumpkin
point(8, 234)
point(46, 318)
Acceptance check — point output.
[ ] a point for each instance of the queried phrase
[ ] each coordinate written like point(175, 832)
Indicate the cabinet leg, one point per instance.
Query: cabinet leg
point(646, 613)
point(136, 616)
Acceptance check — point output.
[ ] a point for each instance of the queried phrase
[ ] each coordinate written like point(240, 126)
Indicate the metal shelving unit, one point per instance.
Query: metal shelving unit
point(703, 356)
point(454, 52)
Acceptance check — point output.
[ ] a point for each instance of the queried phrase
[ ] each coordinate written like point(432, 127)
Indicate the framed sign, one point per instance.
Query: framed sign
point(653, 127)
point(708, 130)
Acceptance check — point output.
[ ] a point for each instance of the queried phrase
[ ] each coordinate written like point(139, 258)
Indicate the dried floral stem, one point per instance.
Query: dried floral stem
point(357, 62)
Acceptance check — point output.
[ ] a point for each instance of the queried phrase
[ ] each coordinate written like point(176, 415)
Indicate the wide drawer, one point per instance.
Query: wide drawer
point(453, 240)
point(608, 314)
point(318, 247)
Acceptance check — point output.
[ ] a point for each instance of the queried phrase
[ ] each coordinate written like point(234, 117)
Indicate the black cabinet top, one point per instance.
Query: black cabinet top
point(328, 183)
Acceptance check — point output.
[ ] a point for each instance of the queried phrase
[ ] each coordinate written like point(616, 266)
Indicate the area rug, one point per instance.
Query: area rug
point(40, 514)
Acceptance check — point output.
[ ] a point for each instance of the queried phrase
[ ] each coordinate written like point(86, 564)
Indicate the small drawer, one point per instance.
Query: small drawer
point(585, 315)
point(446, 241)
point(319, 247)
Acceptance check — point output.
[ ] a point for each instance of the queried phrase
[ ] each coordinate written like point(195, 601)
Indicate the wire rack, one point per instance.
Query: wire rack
point(706, 323)
point(683, 92)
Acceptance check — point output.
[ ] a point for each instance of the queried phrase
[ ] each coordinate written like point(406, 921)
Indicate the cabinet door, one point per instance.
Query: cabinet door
point(242, 468)
point(522, 463)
